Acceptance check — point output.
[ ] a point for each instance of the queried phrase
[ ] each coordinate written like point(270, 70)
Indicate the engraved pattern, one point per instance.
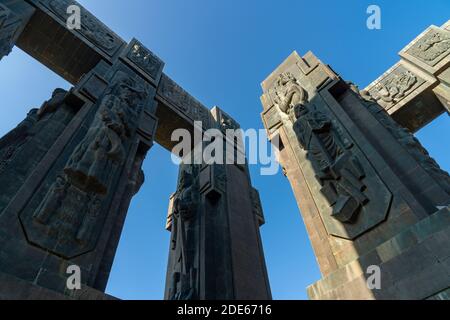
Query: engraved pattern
point(183, 277)
point(336, 167)
point(94, 30)
point(395, 87)
point(72, 210)
point(183, 101)
point(432, 48)
point(145, 59)
point(288, 94)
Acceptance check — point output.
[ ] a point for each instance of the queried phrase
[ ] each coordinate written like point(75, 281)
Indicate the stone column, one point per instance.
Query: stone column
point(14, 16)
point(214, 218)
point(369, 193)
point(416, 90)
point(70, 171)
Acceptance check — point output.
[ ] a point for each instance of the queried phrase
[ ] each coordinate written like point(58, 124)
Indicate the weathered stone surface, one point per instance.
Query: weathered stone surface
point(74, 165)
point(216, 250)
point(145, 60)
point(14, 15)
point(432, 47)
point(91, 28)
point(408, 90)
point(363, 182)
point(395, 86)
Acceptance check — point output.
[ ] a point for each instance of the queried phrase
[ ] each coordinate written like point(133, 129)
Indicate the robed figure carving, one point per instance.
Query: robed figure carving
point(102, 150)
point(184, 276)
point(73, 208)
point(336, 168)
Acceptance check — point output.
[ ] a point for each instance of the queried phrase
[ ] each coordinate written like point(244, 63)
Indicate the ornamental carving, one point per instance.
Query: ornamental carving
point(289, 94)
point(145, 59)
point(75, 205)
point(183, 101)
point(395, 87)
point(184, 278)
point(434, 46)
point(337, 169)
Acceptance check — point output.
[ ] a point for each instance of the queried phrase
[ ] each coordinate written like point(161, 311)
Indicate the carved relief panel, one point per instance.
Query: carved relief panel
point(176, 96)
point(432, 47)
point(66, 215)
point(183, 274)
point(397, 85)
point(144, 60)
point(348, 192)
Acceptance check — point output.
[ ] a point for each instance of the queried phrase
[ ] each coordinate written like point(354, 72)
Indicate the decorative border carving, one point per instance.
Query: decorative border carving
point(183, 101)
point(145, 60)
point(91, 28)
point(432, 48)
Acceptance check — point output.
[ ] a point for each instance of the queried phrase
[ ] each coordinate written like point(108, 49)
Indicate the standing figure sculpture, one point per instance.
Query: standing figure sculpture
point(336, 167)
point(184, 276)
point(72, 208)
point(102, 150)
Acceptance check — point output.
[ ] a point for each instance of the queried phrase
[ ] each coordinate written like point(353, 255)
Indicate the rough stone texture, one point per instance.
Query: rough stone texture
point(67, 199)
point(216, 250)
point(367, 190)
point(14, 15)
point(73, 165)
point(413, 265)
point(413, 92)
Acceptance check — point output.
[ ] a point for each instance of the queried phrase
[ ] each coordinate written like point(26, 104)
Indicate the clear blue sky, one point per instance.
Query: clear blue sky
point(220, 51)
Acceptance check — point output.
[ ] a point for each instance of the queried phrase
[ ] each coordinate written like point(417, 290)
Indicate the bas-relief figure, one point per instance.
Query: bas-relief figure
point(183, 101)
point(184, 274)
point(337, 169)
point(91, 27)
point(433, 46)
point(102, 151)
point(145, 60)
point(394, 87)
point(70, 211)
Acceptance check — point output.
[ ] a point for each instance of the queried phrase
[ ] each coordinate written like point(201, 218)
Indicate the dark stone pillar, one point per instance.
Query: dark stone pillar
point(216, 251)
point(70, 170)
point(14, 15)
point(369, 193)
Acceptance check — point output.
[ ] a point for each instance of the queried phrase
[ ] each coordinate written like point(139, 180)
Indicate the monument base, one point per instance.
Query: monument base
point(415, 265)
point(13, 288)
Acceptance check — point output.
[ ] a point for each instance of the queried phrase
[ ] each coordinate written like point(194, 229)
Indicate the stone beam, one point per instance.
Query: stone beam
point(74, 53)
point(416, 90)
